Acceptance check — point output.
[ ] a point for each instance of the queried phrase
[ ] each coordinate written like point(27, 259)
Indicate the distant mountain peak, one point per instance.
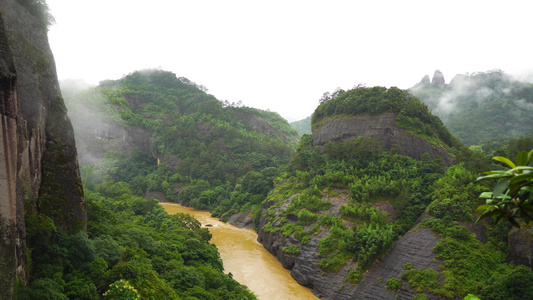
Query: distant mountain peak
point(438, 79)
point(425, 80)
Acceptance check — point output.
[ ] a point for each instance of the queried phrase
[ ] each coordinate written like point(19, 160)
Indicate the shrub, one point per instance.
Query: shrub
point(292, 249)
point(393, 284)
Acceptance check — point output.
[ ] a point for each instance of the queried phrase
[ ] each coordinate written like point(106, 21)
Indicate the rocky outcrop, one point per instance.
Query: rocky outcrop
point(38, 160)
point(415, 247)
point(242, 220)
point(379, 127)
point(438, 79)
point(520, 246)
point(425, 80)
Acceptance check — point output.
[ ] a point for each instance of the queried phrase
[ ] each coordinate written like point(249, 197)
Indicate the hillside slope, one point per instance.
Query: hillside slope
point(198, 151)
point(357, 219)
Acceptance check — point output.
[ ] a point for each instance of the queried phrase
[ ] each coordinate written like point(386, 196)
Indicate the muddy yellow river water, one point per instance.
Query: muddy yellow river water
point(249, 262)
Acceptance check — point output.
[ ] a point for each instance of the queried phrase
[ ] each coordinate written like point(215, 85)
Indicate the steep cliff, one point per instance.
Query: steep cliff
point(391, 116)
point(380, 127)
point(38, 160)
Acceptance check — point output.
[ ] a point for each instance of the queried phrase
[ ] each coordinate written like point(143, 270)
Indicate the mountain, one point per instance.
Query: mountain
point(482, 107)
point(39, 176)
point(362, 215)
point(302, 126)
point(479, 108)
point(390, 116)
point(200, 151)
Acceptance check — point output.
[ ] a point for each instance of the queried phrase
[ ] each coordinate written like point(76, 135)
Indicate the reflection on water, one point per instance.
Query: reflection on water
point(249, 262)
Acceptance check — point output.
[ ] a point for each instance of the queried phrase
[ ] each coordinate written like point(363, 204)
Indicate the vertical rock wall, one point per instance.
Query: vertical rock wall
point(8, 159)
point(38, 160)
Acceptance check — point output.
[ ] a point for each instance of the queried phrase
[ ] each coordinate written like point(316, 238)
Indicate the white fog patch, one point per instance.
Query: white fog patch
point(524, 105)
point(482, 94)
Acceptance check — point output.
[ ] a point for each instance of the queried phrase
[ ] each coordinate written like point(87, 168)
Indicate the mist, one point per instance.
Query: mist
point(96, 126)
point(491, 99)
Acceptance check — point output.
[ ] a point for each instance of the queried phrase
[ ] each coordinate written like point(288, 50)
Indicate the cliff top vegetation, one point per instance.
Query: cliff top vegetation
point(412, 114)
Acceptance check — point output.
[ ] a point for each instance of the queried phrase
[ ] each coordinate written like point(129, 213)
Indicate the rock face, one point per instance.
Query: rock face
point(520, 246)
point(425, 80)
point(38, 160)
point(379, 127)
point(415, 247)
point(438, 79)
point(242, 220)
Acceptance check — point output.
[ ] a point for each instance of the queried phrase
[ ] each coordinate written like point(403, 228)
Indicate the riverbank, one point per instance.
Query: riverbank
point(246, 259)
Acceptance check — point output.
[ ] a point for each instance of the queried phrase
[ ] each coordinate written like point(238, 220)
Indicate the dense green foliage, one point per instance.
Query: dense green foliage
point(455, 195)
point(412, 114)
point(353, 197)
point(378, 196)
point(481, 107)
point(512, 196)
point(224, 158)
point(363, 178)
point(130, 242)
point(470, 266)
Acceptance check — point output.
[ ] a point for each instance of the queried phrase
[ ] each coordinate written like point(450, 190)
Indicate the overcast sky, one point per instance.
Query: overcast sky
point(283, 55)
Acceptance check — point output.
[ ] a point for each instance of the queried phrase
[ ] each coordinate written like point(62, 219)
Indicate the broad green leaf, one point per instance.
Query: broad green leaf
point(494, 172)
point(501, 187)
point(486, 206)
point(505, 175)
point(490, 213)
point(485, 195)
point(522, 158)
point(505, 160)
point(520, 178)
point(520, 168)
point(529, 156)
point(527, 188)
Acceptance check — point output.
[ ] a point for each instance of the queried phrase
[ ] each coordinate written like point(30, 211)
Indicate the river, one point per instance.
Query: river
point(247, 260)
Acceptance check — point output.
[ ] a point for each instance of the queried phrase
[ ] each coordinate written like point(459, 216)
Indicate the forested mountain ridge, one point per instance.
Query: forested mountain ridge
point(482, 107)
point(355, 219)
point(200, 151)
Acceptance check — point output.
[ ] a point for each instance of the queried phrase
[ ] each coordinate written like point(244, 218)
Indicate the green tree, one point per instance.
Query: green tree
point(512, 197)
point(121, 289)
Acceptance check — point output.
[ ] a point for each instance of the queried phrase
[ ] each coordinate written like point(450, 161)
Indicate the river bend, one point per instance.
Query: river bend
point(247, 260)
